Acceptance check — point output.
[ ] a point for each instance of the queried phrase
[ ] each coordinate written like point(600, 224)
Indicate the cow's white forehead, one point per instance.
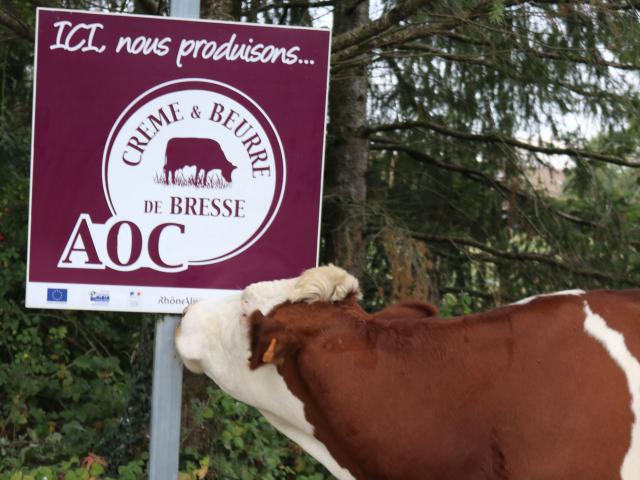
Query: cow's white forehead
point(320, 284)
point(224, 308)
point(264, 296)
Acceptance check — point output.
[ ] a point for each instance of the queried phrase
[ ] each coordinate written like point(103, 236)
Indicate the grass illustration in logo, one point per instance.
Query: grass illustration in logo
point(181, 180)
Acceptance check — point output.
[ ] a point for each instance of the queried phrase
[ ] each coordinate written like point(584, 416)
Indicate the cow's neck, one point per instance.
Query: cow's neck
point(335, 445)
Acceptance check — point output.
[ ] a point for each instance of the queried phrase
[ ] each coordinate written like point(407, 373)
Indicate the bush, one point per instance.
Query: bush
point(242, 445)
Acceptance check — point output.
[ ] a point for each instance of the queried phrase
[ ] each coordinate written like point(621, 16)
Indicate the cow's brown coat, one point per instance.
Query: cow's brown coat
point(521, 392)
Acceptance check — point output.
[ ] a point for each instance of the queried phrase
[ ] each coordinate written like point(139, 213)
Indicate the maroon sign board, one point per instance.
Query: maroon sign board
point(172, 160)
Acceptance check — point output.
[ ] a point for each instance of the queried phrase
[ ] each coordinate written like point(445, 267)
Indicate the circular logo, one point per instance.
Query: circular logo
point(200, 164)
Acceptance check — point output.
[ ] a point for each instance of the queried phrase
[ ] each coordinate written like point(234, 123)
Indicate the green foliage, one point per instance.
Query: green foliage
point(496, 12)
point(243, 446)
point(453, 305)
point(444, 169)
point(90, 468)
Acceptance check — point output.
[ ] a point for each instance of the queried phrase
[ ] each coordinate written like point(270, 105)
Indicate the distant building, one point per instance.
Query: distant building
point(548, 179)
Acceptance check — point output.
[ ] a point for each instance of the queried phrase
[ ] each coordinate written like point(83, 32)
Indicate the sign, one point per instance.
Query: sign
point(172, 160)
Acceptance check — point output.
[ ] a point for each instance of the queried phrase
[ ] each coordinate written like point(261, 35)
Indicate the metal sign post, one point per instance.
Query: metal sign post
point(185, 8)
point(166, 396)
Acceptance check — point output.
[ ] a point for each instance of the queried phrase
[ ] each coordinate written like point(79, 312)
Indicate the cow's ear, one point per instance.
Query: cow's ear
point(267, 341)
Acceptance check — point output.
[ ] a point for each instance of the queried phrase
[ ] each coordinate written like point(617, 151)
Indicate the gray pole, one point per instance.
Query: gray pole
point(185, 8)
point(166, 396)
point(166, 399)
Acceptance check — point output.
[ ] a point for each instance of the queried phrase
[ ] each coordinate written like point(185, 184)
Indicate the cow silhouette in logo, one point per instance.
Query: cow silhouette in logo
point(204, 154)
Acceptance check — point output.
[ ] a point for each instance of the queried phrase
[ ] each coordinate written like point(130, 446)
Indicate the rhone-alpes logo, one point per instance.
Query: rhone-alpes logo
point(185, 161)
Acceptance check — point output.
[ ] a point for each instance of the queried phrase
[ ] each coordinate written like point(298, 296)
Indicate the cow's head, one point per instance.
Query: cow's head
point(289, 327)
point(226, 170)
point(214, 336)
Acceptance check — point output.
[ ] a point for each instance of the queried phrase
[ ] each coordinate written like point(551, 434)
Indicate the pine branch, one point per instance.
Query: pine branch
point(13, 23)
point(609, 6)
point(460, 38)
point(566, 56)
point(551, 260)
point(149, 6)
point(402, 34)
point(408, 49)
point(295, 4)
point(546, 51)
point(468, 59)
point(594, 92)
point(393, 17)
point(478, 176)
point(44, 3)
point(496, 138)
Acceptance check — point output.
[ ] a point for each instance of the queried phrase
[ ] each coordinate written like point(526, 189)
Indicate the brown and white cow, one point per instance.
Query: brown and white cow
point(548, 388)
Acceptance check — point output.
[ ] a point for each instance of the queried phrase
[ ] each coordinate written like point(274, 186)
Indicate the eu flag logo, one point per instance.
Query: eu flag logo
point(56, 294)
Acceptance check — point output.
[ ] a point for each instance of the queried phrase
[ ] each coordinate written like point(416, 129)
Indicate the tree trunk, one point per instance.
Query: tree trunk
point(347, 152)
point(220, 9)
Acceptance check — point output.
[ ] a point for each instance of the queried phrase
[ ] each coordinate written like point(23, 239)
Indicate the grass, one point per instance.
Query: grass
point(210, 181)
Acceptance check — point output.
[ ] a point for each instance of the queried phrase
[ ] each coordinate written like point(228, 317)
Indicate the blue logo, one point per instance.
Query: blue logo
point(56, 295)
point(99, 298)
